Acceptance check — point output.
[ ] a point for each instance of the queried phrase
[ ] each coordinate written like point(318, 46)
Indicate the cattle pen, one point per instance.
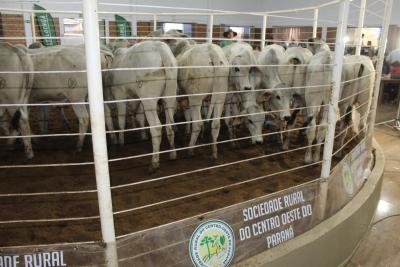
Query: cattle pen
point(98, 202)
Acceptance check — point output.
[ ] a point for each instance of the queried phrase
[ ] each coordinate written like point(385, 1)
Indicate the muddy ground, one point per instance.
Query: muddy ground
point(55, 179)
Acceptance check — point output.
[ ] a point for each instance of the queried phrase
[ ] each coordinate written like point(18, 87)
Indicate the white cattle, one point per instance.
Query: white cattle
point(271, 57)
point(353, 95)
point(316, 45)
point(68, 85)
point(293, 74)
point(243, 77)
point(16, 79)
point(148, 85)
point(394, 57)
point(211, 79)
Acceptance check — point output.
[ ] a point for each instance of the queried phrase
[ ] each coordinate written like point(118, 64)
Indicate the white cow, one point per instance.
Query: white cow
point(68, 85)
point(148, 85)
point(15, 88)
point(243, 77)
point(204, 81)
point(293, 74)
point(271, 56)
point(319, 73)
point(316, 45)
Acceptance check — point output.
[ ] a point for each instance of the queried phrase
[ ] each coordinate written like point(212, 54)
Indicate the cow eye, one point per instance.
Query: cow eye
point(237, 69)
point(278, 97)
point(250, 121)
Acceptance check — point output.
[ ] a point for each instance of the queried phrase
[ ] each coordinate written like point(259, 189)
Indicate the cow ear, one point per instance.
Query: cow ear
point(267, 95)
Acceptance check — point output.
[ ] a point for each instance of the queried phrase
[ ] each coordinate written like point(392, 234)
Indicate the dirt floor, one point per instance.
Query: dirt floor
point(148, 194)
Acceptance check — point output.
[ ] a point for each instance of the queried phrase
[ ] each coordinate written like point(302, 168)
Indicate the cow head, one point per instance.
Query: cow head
point(279, 100)
point(244, 75)
point(254, 121)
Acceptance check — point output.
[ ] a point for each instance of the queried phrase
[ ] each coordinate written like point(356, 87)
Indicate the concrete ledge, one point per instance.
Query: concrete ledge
point(332, 242)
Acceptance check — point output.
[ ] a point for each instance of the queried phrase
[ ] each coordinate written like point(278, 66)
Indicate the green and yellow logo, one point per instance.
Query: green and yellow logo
point(347, 180)
point(212, 244)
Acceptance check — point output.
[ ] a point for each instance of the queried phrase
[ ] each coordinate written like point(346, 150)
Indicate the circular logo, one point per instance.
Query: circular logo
point(212, 244)
point(347, 180)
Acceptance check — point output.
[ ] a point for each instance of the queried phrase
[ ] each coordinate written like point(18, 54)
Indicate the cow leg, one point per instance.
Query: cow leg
point(291, 124)
point(150, 110)
point(64, 119)
point(44, 119)
point(26, 131)
point(169, 109)
point(121, 109)
point(321, 133)
point(110, 124)
point(140, 117)
point(215, 127)
point(83, 118)
point(195, 108)
point(344, 123)
point(229, 122)
point(310, 132)
point(188, 118)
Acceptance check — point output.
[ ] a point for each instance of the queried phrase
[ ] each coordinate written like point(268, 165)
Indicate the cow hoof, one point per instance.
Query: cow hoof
point(234, 145)
point(114, 140)
point(285, 146)
point(153, 169)
point(316, 157)
point(172, 155)
point(191, 152)
point(308, 159)
point(338, 155)
point(144, 137)
point(29, 154)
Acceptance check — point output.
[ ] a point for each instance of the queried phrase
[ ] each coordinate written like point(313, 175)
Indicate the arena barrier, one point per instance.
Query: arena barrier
point(221, 235)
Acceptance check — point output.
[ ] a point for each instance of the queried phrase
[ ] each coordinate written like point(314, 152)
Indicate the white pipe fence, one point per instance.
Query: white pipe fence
point(96, 107)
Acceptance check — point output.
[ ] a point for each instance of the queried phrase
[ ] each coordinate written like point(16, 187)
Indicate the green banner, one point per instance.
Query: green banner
point(46, 26)
point(123, 27)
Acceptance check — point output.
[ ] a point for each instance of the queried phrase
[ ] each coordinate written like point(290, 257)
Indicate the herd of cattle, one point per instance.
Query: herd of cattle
point(234, 83)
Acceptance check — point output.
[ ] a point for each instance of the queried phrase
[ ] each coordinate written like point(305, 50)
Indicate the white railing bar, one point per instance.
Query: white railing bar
point(211, 167)
point(52, 220)
point(208, 144)
point(215, 189)
point(47, 165)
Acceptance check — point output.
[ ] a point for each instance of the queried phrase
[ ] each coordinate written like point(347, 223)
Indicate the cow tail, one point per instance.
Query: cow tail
point(15, 119)
point(27, 83)
point(171, 74)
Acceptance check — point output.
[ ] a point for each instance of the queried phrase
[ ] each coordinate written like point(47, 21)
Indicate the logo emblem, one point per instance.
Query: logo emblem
point(347, 180)
point(212, 244)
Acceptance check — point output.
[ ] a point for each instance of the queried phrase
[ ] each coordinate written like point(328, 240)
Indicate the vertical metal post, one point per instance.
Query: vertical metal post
point(397, 122)
point(360, 26)
point(333, 103)
point(96, 107)
point(263, 31)
point(154, 22)
point(379, 65)
point(33, 27)
point(324, 34)
point(210, 28)
point(315, 24)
